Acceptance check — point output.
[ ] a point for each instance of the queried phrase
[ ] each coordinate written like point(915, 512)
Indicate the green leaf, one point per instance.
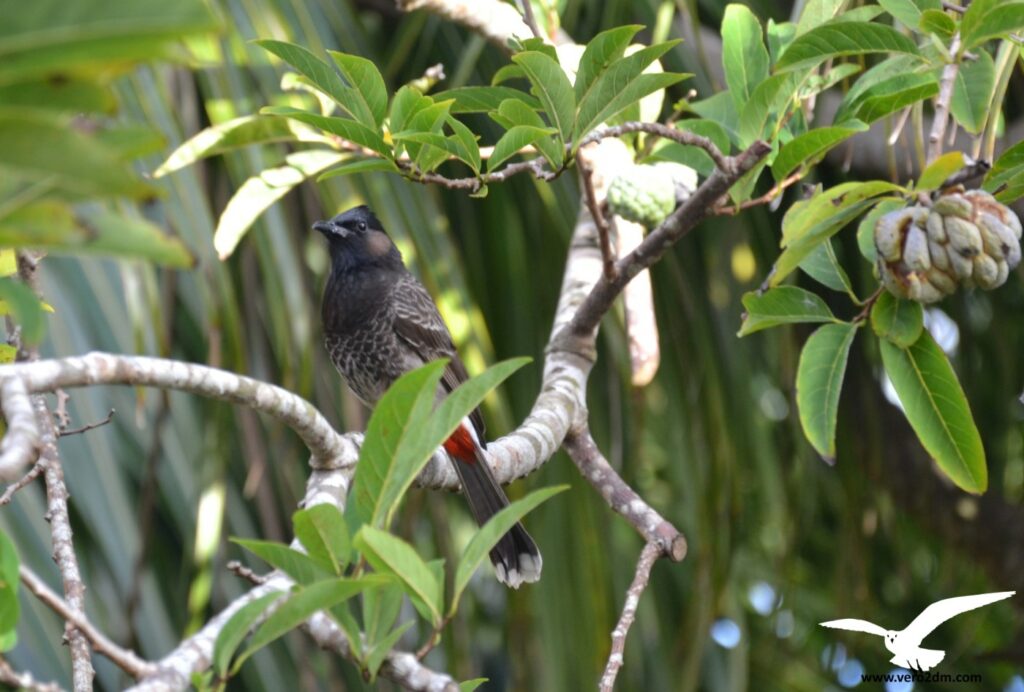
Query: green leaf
point(381, 607)
point(972, 92)
point(939, 170)
point(817, 12)
point(297, 565)
point(744, 55)
point(343, 127)
point(391, 555)
point(553, 89)
point(300, 606)
point(823, 266)
point(770, 101)
point(890, 96)
point(506, 73)
point(601, 52)
point(896, 320)
point(19, 301)
point(779, 36)
point(471, 685)
point(51, 225)
point(939, 23)
point(236, 629)
point(986, 19)
point(404, 406)
point(420, 445)
point(466, 147)
point(367, 85)
point(64, 95)
point(808, 148)
point(809, 223)
point(622, 85)
point(352, 166)
point(937, 409)
point(819, 380)
point(40, 146)
point(324, 534)
point(9, 581)
point(512, 113)
point(1006, 179)
point(782, 305)
point(513, 140)
point(379, 651)
point(323, 78)
point(843, 39)
point(257, 193)
point(93, 37)
point(240, 132)
point(909, 11)
point(487, 536)
point(481, 99)
point(694, 157)
point(406, 104)
point(720, 109)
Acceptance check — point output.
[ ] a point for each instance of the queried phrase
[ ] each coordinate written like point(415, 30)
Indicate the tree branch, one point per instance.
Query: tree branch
point(24, 681)
point(647, 559)
point(942, 102)
point(126, 660)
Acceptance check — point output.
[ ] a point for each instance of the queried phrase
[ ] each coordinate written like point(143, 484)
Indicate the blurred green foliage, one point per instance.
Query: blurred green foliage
point(778, 540)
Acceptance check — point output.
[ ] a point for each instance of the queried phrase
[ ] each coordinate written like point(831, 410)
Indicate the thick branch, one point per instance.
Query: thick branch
point(496, 21)
point(127, 660)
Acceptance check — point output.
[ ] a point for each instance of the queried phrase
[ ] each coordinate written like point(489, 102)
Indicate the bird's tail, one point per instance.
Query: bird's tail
point(515, 557)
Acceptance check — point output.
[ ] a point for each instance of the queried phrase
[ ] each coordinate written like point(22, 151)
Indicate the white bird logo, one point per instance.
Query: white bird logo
point(906, 643)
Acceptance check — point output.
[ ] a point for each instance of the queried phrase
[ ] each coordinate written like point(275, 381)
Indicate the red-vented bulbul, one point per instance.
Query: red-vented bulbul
point(379, 323)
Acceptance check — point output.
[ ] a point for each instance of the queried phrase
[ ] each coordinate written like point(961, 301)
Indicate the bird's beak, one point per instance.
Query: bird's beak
point(328, 228)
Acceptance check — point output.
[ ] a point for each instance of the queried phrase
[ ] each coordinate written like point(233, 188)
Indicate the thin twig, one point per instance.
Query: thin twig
point(24, 681)
point(61, 412)
point(648, 556)
point(87, 428)
point(722, 162)
point(33, 473)
point(655, 529)
point(953, 7)
point(126, 660)
point(766, 198)
point(245, 573)
point(531, 20)
point(604, 233)
point(941, 116)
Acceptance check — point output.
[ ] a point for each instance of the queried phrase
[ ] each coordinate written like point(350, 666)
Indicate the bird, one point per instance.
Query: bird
point(380, 322)
point(906, 643)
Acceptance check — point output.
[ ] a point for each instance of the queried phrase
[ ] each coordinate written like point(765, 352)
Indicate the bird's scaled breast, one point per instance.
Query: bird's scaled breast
point(366, 357)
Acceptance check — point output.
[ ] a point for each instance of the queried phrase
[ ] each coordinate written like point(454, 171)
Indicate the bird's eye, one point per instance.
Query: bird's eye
point(361, 225)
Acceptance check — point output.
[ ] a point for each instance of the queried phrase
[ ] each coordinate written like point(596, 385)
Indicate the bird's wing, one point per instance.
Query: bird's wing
point(855, 625)
point(419, 324)
point(940, 611)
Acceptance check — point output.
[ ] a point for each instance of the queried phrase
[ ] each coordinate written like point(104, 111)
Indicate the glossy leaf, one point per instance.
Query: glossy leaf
point(767, 105)
point(480, 99)
point(390, 554)
point(909, 11)
point(782, 305)
point(808, 148)
point(986, 19)
point(324, 534)
point(406, 104)
point(937, 409)
point(487, 536)
point(744, 56)
point(890, 96)
point(823, 266)
point(972, 92)
point(939, 170)
point(237, 628)
point(1006, 179)
point(938, 22)
point(807, 224)
point(257, 193)
point(513, 140)
point(843, 39)
point(896, 320)
point(300, 605)
point(552, 87)
point(602, 50)
point(817, 12)
point(467, 149)
point(297, 565)
point(819, 380)
point(351, 130)
point(367, 85)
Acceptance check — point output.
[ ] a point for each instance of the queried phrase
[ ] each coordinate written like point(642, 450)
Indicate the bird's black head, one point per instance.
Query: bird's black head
point(357, 239)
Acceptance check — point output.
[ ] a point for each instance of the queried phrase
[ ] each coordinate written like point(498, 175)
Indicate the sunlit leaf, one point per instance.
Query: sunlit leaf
point(986, 19)
point(782, 305)
point(843, 39)
point(744, 56)
point(819, 380)
point(808, 148)
point(324, 534)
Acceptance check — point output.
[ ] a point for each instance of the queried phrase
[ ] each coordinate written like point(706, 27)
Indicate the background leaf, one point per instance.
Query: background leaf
point(744, 55)
point(782, 305)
